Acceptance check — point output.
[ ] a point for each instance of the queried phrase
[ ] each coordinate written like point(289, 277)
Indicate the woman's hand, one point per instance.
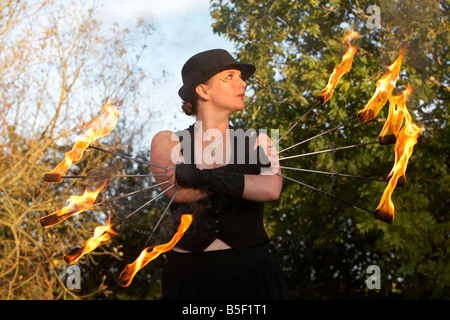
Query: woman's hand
point(170, 173)
point(266, 186)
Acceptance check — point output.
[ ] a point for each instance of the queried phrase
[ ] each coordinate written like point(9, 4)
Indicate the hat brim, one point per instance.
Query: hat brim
point(247, 70)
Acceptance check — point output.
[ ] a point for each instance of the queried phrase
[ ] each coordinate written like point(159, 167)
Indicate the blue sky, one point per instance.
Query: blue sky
point(182, 29)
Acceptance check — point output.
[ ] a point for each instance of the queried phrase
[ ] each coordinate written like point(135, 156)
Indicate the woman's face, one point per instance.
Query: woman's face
point(226, 90)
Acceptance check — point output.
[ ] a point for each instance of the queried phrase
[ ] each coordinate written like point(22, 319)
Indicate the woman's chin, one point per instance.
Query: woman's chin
point(239, 107)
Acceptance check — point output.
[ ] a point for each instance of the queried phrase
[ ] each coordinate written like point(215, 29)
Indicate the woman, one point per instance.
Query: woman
point(224, 254)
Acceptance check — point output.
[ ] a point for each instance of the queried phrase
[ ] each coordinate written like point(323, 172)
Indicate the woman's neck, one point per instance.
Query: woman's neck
point(213, 121)
point(213, 128)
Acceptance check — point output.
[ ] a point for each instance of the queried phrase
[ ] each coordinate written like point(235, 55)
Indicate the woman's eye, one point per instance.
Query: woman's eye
point(229, 77)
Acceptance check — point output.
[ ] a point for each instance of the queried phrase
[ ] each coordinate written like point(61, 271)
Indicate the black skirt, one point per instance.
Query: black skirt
point(252, 274)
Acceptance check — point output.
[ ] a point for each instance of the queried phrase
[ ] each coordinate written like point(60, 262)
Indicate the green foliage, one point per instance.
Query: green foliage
point(55, 69)
point(323, 245)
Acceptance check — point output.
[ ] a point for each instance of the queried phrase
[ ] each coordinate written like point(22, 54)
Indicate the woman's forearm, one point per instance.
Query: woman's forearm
point(262, 188)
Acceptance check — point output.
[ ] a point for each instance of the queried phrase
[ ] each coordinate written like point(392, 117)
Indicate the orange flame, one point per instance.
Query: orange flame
point(101, 235)
point(77, 204)
point(407, 138)
point(341, 69)
point(384, 89)
point(98, 128)
point(397, 107)
point(126, 276)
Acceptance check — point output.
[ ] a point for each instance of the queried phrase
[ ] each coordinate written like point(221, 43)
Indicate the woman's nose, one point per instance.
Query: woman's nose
point(243, 83)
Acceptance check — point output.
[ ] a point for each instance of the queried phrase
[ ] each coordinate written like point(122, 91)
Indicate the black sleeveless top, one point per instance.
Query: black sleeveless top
point(235, 221)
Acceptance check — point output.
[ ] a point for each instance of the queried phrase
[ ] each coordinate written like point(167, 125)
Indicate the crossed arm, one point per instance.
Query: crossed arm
point(261, 188)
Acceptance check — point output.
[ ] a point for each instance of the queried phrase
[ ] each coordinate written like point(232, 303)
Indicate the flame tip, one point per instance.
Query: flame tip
point(338, 71)
point(98, 128)
point(350, 36)
point(151, 253)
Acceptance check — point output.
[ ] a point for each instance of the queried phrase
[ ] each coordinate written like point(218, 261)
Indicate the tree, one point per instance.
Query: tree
point(52, 74)
point(326, 246)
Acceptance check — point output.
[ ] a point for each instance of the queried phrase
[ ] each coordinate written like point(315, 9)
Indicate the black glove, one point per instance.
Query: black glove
point(262, 161)
point(228, 179)
point(188, 175)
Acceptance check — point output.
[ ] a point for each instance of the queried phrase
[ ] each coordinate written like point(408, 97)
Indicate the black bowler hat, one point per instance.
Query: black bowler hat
point(204, 65)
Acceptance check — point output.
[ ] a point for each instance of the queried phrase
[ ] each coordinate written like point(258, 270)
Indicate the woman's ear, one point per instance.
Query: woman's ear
point(202, 91)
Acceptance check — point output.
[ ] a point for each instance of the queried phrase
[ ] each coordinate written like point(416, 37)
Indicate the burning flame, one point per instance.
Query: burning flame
point(397, 108)
point(101, 235)
point(77, 204)
point(341, 69)
point(406, 139)
point(384, 89)
point(126, 276)
point(98, 128)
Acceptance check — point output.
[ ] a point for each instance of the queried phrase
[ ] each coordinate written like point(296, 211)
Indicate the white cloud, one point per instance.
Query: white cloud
point(125, 11)
point(182, 29)
point(173, 7)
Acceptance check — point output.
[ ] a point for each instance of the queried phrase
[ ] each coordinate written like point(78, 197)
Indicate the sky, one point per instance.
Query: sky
point(182, 29)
